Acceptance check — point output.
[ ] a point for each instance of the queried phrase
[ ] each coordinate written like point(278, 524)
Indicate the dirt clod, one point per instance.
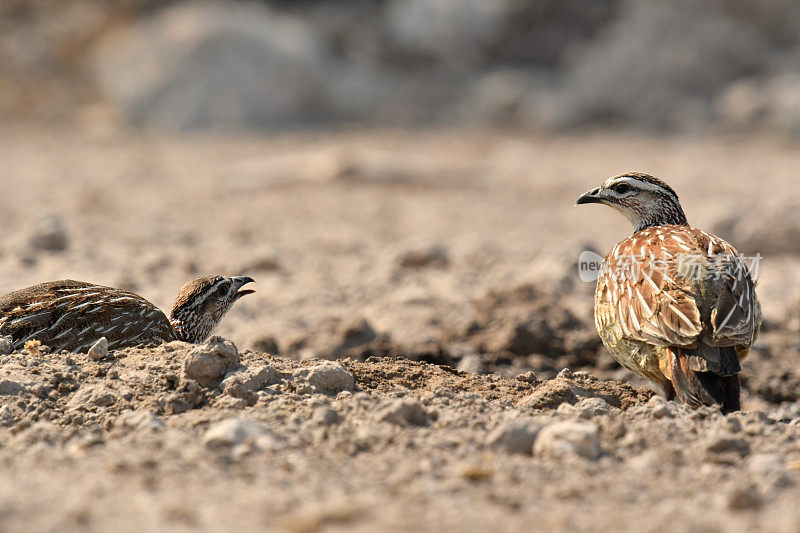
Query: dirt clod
point(208, 363)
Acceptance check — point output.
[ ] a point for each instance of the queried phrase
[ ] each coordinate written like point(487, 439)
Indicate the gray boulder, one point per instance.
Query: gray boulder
point(212, 65)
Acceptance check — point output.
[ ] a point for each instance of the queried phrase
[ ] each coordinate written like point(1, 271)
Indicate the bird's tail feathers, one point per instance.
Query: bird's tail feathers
point(702, 388)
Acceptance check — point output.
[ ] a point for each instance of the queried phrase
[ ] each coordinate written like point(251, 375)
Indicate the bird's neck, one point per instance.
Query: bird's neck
point(668, 213)
point(191, 331)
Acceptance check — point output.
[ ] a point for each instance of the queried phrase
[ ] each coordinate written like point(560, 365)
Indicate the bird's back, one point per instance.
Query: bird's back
point(670, 284)
point(72, 315)
point(677, 292)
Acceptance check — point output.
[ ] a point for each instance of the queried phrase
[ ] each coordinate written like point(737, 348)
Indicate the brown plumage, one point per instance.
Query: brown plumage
point(673, 303)
point(72, 315)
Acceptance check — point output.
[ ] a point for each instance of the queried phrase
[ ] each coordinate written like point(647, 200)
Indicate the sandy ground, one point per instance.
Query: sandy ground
point(408, 256)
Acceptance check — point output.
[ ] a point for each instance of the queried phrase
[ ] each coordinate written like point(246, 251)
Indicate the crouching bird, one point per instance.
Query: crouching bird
point(674, 304)
point(73, 315)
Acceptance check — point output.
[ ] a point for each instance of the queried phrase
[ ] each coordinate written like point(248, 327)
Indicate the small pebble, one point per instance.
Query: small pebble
point(99, 349)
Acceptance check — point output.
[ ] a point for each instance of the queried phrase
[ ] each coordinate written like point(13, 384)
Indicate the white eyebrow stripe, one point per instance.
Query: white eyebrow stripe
point(633, 182)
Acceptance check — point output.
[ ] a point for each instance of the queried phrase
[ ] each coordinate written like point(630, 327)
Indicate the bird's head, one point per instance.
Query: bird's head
point(202, 303)
point(645, 200)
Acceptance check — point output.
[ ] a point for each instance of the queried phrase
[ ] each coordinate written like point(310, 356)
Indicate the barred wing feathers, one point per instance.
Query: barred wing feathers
point(678, 286)
point(72, 315)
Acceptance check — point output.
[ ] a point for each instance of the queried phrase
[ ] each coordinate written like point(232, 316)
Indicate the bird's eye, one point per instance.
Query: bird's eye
point(622, 188)
point(223, 290)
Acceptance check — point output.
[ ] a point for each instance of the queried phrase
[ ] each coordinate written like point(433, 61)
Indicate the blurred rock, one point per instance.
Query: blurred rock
point(267, 344)
point(352, 334)
point(429, 256)
point(460, 34)
point(658, 65)
point(772, 103)
point(768, 229)
point(720, 443)
point(769, 470)
point(208, 363)
point(550, 273)
point(743, 499)
point(49, 235)
point(497, 98)
point(404, 413)
point(326, 416)
point(471, 363)
point(235, 431)
point(139, 420)
point(207, 65)
point(515, 436)
point(592, 407)
point(263, 259)
point(658, 407)
point(456, 32)
point(529, 63)
point(340, 338)
point(740, 104)
point(561, 440)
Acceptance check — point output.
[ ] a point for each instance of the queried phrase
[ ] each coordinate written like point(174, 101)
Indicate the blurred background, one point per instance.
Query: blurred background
point(536, 65)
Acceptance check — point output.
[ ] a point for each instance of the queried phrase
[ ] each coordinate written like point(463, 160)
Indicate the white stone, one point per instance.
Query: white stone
point(562, 440)
point(99, 349)
point(330, 377)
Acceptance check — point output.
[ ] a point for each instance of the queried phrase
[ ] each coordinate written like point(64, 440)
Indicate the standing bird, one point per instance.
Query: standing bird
point(72, 315)
point(674, 304)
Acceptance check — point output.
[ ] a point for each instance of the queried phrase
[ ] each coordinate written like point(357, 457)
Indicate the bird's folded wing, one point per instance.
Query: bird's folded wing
point(652, 309)
point(736, 314)
point(675, 275)
point(648, 283)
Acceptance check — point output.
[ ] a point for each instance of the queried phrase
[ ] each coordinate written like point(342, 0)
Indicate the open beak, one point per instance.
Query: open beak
point(595, 196)
point(239, 282)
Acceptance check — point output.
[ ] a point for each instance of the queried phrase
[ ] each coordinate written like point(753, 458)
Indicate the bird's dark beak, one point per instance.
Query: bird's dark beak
point(240, 281)
point(595, 196)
